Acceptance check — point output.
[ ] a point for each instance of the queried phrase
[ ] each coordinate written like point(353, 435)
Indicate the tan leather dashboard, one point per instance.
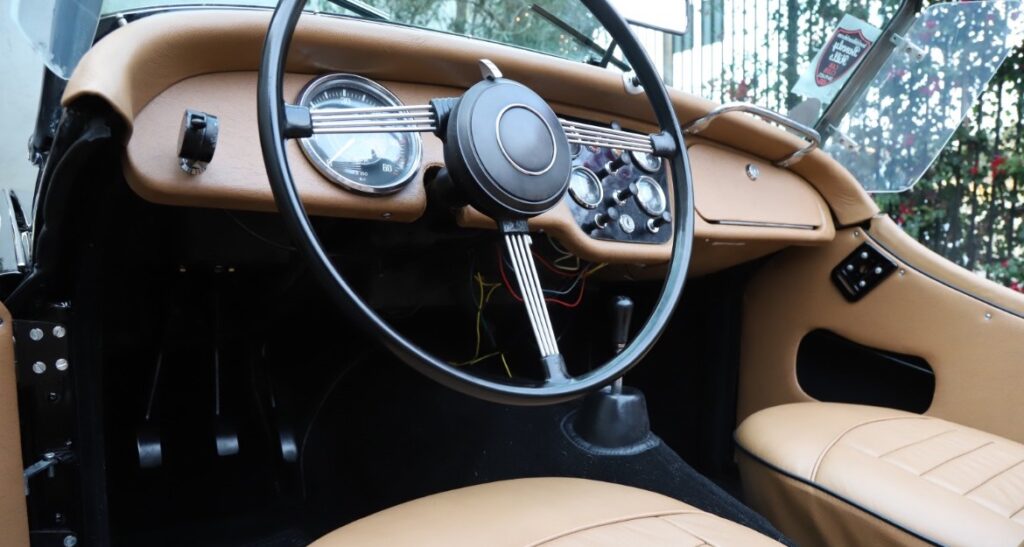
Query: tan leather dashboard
point(152, 69)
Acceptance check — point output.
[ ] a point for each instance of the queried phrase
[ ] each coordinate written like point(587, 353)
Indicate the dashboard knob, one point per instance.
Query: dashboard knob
point(197, 141)
point(655, 224)
point(602, 220)
point(623, 195)
point(611, 167)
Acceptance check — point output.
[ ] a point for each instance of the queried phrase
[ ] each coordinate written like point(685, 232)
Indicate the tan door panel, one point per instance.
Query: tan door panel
point(13, 515)
point(962, 325)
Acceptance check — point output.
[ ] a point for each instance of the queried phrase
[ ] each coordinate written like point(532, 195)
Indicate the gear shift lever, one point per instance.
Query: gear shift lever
point(615, 418)
point(622, 316)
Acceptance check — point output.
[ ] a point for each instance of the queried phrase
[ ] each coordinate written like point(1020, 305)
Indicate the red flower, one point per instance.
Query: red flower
point(1005, 263)
point(974, 170)
point(997, 163)
point(1016, 286)
point(905, 209)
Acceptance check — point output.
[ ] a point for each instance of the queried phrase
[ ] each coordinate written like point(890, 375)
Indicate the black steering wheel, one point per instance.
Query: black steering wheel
point(508, 153)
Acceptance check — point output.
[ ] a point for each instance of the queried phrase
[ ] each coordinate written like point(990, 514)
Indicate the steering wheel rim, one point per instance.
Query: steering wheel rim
point(272, 131)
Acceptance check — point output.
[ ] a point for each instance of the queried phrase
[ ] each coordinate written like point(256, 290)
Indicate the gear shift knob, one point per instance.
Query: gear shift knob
point(622, 316)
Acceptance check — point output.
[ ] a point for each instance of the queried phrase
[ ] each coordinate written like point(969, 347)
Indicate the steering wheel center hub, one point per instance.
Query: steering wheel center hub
point(526, 140)
point(506, 149)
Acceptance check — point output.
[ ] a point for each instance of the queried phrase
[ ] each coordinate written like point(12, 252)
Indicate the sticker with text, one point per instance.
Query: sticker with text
point(834, 64)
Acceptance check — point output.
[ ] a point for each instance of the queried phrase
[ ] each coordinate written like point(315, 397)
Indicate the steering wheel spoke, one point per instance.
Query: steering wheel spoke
point(595, 135)
point(525, 268)
point(304, 122)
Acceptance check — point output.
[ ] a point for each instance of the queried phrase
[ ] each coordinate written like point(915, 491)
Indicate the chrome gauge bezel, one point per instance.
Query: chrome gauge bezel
point(634, 158)
point(593, 178)
point(387, 98)
point(657, 190)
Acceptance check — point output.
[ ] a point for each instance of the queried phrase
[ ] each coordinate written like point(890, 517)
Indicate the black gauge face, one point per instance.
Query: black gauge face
point(646, 162)
point(650, 196)
point(371, 163)
point(585, 188)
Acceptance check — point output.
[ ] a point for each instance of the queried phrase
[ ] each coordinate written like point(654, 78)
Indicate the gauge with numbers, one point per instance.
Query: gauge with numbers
point(645, 161)
point(586, 188)
point(369, 163)
point(650, 196)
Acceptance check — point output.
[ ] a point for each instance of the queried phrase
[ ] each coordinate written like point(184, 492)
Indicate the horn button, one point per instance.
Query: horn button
point(506, 150)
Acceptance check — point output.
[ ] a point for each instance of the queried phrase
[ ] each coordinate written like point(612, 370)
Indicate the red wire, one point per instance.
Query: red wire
point(508, 287)
point(548, 265)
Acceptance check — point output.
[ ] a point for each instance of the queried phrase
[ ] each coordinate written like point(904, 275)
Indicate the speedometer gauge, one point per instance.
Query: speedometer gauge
point(371, 163)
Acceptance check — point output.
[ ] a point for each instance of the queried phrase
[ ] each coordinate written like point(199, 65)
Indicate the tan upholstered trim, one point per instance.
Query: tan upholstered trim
point(972, 346)
point(812, 517)
point(543, 511)
point(935, 479)
point(134, 64)
point(13, 513)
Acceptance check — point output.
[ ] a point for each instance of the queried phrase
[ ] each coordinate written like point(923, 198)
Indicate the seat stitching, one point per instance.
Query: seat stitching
point(831, 445)
point(654, 514)
point(986, 481)
point(670, 523)
point(958, 456)
point(919, 441)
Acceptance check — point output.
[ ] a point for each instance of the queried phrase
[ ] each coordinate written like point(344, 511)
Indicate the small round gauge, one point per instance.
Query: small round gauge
point(585, 188)
point(370, 163)
point(650, 196)
point(574, 149)
point(646, 162)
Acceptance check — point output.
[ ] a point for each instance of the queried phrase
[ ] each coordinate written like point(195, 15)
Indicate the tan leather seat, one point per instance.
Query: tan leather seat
point(544, 511)
point(838, 474)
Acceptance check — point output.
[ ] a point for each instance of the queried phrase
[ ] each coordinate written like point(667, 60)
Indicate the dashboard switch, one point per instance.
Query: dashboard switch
point(197, 141)
point(655, 224)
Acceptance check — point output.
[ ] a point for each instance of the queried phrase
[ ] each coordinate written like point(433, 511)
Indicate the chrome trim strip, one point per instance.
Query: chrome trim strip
point(808, 133)
point(594, 135)
point(755, 224)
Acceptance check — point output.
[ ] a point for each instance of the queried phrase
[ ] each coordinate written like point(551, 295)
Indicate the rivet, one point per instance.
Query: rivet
point(903, 272)
point(70, 541)
point(59, 331)
point(856, 233)
point(988, 316)
point(36, 334)
point(61, 364)
point(385, 215)
point(878, 270)
point(39, 367)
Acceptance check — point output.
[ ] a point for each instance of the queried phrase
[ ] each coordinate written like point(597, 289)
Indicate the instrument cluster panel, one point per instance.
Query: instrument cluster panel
point(620, 196)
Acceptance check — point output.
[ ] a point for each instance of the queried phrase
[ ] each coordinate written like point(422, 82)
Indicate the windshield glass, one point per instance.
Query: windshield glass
point(733, 50)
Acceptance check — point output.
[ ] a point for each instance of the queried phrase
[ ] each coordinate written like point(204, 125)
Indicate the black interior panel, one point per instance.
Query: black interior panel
point(833, 369)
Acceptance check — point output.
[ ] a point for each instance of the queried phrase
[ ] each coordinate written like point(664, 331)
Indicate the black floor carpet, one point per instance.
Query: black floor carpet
point(419, 438)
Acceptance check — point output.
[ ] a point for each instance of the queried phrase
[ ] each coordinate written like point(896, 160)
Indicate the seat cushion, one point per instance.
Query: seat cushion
point(543, 511)
point(934, 480)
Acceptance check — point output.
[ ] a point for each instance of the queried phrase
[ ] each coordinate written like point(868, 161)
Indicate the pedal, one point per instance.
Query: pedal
point(147, 438)
point(225, 432)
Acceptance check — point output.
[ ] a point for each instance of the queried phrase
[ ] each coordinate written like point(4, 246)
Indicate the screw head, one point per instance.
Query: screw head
point(878, 270)
point(61, 364)
point(753, 172)
point(70, 540)
point(39, 367)
point(36, 334)
point(988, 315)
point(864, 255)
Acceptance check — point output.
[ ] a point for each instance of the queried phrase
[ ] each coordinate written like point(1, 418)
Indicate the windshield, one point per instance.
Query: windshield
point(733, 50)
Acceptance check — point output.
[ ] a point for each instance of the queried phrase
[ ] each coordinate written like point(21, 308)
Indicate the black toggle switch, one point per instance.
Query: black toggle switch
point(655, 224)
point(610, 168)
point(602, 220)
point(197, 141)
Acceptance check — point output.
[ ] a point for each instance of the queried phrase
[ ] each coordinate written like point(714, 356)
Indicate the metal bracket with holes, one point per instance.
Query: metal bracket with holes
point(807, 133)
